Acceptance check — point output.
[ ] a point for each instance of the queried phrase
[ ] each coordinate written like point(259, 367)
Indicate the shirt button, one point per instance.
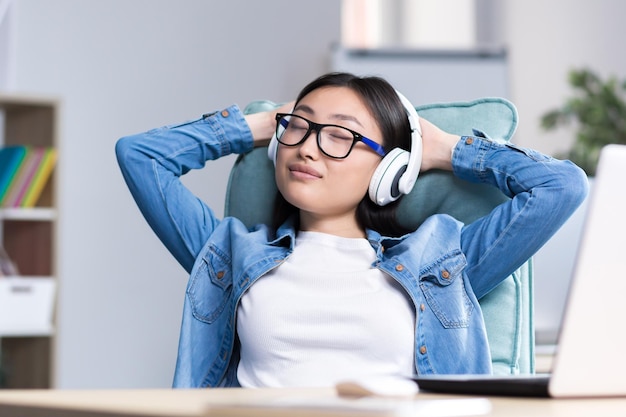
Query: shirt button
point(225, 113)
point(422, 307)
point(220, 275)
point(423, 350)
point(399, 267)
point(445, 274)
point(469, 141)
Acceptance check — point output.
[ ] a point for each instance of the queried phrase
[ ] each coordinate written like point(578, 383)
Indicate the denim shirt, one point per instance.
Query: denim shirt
point(444, 266)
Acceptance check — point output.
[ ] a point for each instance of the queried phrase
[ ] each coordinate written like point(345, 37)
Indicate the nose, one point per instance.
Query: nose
point(309, 148)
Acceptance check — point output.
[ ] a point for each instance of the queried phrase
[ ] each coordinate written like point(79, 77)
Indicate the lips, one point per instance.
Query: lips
point(302, 170)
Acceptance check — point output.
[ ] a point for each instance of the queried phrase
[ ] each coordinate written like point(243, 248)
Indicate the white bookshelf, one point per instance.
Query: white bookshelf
point(43, 214)
point(28, 235)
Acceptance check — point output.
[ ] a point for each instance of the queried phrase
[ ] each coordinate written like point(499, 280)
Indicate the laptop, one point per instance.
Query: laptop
point(590, 358)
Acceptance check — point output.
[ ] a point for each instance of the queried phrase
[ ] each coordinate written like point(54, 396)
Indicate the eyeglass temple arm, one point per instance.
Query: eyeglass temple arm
point(374, 145)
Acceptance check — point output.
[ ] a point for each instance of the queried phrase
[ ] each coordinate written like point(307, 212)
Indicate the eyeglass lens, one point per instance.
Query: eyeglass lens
point(335, 141)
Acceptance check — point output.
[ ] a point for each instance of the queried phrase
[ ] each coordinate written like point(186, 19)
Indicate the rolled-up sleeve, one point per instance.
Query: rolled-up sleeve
point(544, 192)
point(153, 162)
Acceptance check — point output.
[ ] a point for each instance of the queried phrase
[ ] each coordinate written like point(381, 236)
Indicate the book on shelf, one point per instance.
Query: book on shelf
point(11, 158)
point(26, 181)
point(40, 178)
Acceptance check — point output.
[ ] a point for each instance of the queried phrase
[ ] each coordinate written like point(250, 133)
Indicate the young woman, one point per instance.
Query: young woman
point(336, 289)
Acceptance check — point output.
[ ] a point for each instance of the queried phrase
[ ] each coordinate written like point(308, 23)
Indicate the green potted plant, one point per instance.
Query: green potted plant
point(597, 110)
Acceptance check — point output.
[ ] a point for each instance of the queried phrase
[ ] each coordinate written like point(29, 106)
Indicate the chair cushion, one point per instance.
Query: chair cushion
point(497, 118)
point(251, 190)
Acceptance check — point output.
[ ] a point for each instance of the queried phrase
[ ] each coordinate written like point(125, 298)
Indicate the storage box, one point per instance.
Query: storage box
point(26, 306)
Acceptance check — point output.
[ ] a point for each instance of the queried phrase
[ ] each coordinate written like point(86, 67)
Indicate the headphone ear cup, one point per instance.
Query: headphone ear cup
point(272, 148)
point(383, 187)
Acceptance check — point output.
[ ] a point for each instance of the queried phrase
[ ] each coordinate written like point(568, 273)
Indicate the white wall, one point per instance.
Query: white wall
point(548, 38)
point(124, 66)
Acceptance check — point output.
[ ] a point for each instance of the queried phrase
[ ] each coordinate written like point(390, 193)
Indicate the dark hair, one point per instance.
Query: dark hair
point(383, 102)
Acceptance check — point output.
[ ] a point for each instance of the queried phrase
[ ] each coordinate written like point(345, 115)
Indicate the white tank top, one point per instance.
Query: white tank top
point(323, 316)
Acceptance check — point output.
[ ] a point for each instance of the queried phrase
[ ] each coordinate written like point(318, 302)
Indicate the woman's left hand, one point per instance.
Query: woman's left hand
point(437, 146)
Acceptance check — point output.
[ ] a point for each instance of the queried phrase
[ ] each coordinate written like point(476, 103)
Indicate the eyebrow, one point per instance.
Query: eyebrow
point(337, 116)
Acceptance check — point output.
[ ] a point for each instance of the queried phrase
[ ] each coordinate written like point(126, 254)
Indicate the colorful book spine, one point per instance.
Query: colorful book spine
point(30, 178)
point(11, 158)
point(26, 170)
point(41, 177)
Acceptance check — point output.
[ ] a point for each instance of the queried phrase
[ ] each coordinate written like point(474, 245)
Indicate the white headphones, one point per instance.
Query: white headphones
point(397, 172)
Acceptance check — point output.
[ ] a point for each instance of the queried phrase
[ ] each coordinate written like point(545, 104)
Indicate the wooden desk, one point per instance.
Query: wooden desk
point(196, 403)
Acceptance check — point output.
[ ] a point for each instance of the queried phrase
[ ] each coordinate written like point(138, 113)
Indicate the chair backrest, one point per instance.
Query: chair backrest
point(508, 309)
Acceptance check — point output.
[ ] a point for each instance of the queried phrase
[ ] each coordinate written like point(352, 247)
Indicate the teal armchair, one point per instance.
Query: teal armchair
point(508, 309)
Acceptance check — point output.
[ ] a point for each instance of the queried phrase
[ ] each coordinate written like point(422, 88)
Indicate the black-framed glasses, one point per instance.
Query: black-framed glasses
point(333, 140)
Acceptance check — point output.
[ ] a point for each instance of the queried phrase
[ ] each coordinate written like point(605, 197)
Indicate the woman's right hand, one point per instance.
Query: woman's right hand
point(263, 124)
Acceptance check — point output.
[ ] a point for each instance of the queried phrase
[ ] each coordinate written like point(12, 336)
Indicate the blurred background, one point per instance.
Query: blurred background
point(124, 66)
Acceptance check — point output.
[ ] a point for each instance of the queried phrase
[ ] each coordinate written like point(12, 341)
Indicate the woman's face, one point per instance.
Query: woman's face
point(320, 186)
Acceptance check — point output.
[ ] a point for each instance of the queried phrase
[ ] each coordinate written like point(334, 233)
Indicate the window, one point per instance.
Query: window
point(429, 24)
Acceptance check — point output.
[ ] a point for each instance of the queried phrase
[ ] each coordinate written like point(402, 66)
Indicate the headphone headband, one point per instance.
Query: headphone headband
point(407, 181)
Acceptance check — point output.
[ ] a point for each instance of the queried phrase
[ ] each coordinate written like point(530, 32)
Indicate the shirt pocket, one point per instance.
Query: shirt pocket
point(444, 290)
point(210, 286)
